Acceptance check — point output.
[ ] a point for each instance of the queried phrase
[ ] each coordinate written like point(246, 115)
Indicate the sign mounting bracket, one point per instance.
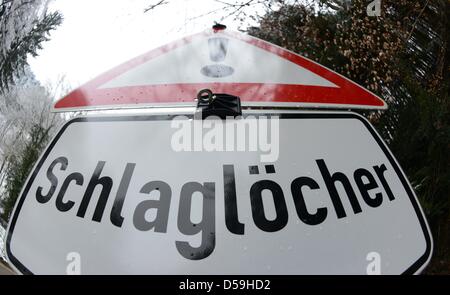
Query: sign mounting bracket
point(221, 105)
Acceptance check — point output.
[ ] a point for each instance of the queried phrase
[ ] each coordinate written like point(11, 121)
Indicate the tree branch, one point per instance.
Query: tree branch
point(153, 6)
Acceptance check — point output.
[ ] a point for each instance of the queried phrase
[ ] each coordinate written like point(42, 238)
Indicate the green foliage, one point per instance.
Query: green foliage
point(19, 167)
point(420, 142)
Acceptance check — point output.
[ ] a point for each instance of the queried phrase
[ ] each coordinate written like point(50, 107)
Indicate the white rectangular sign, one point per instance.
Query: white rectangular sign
point(119, 195)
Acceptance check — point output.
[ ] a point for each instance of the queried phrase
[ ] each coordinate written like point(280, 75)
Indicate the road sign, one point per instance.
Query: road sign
point(130, 195)
point(260, 73)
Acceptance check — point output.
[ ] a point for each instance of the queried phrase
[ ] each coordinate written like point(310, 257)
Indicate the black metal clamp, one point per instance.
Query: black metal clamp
point(218, 104)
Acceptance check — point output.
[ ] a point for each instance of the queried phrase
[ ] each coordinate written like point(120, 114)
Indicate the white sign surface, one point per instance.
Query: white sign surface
point(184, 65)
point(111, 196)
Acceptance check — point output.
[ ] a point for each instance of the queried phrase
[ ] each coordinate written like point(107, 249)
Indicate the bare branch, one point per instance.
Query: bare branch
point(153, 6)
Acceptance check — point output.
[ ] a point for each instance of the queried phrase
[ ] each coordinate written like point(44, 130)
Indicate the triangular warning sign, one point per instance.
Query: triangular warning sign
point(260, 73)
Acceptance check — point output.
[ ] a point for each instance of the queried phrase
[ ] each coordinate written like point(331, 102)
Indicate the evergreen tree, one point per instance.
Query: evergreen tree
point(20, 165)
point(26, 126)
point(24, 25)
